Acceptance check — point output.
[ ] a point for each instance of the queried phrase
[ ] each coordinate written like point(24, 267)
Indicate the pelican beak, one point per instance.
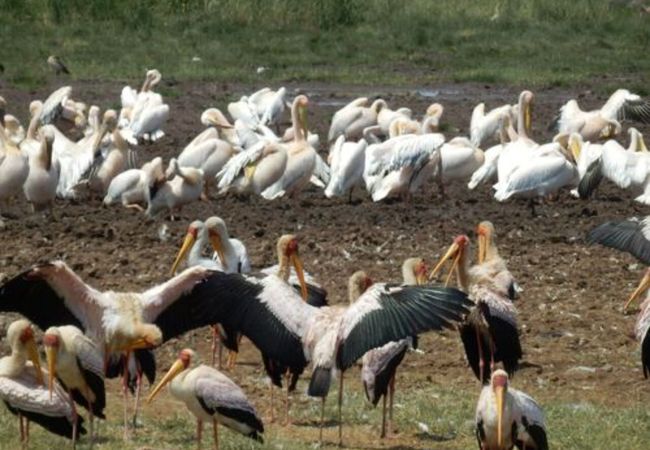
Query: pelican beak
point(499, 393)
point(182, 253)
point(98, 138)
point(32, 352)
point(454, 251)
point(302, 116)
point(528, 118)
point(215, 241)
point(175, 369)
point(482, 248)
point(641, 144)
point(643, 286)
point(297, 264)
point(50, 355)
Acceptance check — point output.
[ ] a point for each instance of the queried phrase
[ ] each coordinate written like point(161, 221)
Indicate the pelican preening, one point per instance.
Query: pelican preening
point(143, 113)
point(24, 392)
point(507, 418)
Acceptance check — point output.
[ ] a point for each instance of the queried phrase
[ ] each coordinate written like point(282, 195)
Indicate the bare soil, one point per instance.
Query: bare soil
point(578, 344)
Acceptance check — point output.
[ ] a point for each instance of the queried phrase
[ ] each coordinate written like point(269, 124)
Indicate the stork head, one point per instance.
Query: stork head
point(288, 253)
point(414, 271)
point(20, 336)
point(358, 283)
point(145, 336)
point(455, 252)
point(217, 234)
point(499, 385)
point(181, 364)
point(641, 288)
point(485, 233)
point(52, 344)
point(193, 231)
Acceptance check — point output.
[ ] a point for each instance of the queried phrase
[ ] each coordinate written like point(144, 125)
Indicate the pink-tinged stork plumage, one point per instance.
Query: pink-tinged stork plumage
point(24, 392)
point(507, 418)
point(489, 332)
point(119, 323)
point(211, 396)
point(643, 321)
point(379, 365)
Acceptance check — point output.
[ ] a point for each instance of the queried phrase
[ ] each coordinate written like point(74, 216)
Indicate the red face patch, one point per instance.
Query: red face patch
point(500, 381)
point(26, 335)
point(461, 240)
point(193, 231)
point(185, 357)
point(51, 340)
point(292, 247)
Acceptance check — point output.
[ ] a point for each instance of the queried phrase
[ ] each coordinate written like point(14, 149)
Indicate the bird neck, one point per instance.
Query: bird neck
point(45, 155)
point(463, 272)
point(33, 124)
point(12, 365)
point(298, 133)
point(284, 270)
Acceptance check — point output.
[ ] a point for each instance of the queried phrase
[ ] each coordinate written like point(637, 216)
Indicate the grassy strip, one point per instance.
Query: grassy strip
point(532, 42)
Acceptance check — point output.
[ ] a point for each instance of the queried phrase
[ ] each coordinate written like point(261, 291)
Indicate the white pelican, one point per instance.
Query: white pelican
point(301, 156)
point(520, 148)
point(353, 118)
point(486, 126)
point(210, 156)
point(459, 159)
point(605, 122)
point(43, 177)
point(32, 144)
point(270, 107)
point(507, 417)
point(135, 186)
point(488, 171)
point(118, 322)
point(347, 164)
point(588, 155)
point(23, 391)
point(253, 170)
point(288, 330)
point(379, 365)
point(144, 114)
point(13, 129)
point(547, 169)
point(54, 105)
point(76, 362)
point(431, 119)
point(184, 185)
point(386, 116)
point(14, 168)
point(490, 329)
point(397, 165)
point(211, 396)
point(57, 65)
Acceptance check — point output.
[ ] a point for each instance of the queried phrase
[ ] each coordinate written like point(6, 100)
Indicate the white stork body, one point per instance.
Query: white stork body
point(348, 162)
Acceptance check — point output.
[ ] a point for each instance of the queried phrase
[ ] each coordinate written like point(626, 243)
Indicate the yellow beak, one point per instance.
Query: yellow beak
point(175, 369)
point(454, 251)
point(100, 135)
point(641, 144)
point(139, 344)
point(32, 352)
point(499, 392)
point(302, 116)
point(421, 278)
point(482, 248)
point(527, 119)
point(297, 264)
point(643, 286)
point(215, 241)
point(182, 253)
point(50, 355)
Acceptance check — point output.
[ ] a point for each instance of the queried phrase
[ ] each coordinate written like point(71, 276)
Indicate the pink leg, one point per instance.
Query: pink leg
point(199, 433)
point(138, 388)
point(481, 362)
point(125, 389)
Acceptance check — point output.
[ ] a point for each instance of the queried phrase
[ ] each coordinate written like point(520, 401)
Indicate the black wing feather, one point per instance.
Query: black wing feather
point(536, 432)
point(33, 298)
point(591, 179)
point(58, 425)
point(506, 341)
point(645, 355)
point(635, 110)
point(384, 376)
point(405, 311)
point(96, 385)
point(238, 415)
point(626, 236)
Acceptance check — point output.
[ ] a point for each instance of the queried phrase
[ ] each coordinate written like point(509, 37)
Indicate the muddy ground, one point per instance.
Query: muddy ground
point(578, 344)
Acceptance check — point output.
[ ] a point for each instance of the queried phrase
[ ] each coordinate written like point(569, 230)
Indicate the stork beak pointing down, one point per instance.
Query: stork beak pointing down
point(499, 392)
point(215, 241)
point(643, 286)
point(482, 247)
point(182, 253)
point(175, 369)
point(50, 355)
point(297, 264)
point(32, 352)
point(454, 251)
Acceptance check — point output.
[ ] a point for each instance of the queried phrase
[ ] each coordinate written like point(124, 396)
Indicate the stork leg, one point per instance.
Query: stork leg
point(199, 433)
point(22, 429)
point(322, 421)
point(216, 345)
point(138, 388)
point(481, 363)
point(383, 418)
point(75, 419)
point(287, 380)
point(272, 419)
point(391, 396)
point(215, 433)
point(125, 388)
point(340, 413)
point(26, 431)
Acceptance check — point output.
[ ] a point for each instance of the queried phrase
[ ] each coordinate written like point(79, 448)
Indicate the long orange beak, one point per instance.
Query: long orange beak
point(32, 352)
point(499, 392)
point(188, 242)
point(215, 241)
point(50, 355)
point(641, 288)
point(297, 264)
point(175, 369)
point(482, 248)
point(455, 252)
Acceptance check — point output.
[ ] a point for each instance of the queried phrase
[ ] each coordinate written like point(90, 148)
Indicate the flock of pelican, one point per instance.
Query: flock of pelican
point(73, 151)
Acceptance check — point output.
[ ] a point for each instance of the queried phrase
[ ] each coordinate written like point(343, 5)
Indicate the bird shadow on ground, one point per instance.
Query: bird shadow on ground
point(328, 423)
point(435, 437)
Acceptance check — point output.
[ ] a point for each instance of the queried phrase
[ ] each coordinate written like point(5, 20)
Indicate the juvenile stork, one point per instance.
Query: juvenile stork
point(507, 417)
point(490, 329)
point(75, 361)
point(379, 365)
point(128, 323)
point(23, 391)
point(211, 397)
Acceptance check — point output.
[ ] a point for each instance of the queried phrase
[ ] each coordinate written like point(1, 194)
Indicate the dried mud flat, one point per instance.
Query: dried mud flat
point(578, 344)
